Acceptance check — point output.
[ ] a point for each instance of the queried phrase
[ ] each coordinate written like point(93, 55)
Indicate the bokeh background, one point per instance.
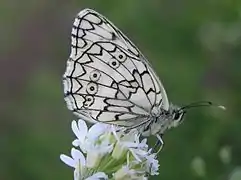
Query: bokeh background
point(194, 47)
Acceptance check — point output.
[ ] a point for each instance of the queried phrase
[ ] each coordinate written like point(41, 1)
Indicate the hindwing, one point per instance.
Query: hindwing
point(107, 79)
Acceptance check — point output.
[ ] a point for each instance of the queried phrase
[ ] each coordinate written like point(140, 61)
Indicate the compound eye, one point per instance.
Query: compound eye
point(114, 63)
point(176, 116)
point(95, 75)
point(92, 88)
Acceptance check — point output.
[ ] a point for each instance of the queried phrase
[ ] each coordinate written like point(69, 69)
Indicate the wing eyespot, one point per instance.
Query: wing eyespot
point(114, 63)
point(92, 88)
point(121, 56)
point(89, 100)
point(95, 75)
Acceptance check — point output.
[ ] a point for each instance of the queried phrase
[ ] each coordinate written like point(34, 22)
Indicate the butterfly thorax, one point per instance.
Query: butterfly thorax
point(161, 120)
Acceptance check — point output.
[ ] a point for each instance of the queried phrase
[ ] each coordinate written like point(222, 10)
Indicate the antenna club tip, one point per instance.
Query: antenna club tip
point(222, 107)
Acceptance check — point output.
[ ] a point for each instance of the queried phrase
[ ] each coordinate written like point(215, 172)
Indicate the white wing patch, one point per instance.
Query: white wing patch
point(107, 79)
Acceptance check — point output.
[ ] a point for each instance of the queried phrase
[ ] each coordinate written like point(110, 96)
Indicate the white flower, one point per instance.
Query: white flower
point(129, 141)
point(95, 155)
point(77, 158)
point(152, 164)
point(140, 152)
point(80, 130)
point(86, 139)
point(126, 173)
point(109, 151)
point(78, 162)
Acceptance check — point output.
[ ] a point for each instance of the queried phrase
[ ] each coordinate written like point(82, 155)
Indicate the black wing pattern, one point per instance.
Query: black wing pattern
point(107, 79)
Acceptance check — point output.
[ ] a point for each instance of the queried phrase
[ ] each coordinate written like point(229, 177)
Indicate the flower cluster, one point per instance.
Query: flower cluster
point(108, 152)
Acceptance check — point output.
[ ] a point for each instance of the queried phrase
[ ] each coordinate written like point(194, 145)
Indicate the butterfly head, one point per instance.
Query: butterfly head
point(162, 120)
point(177, 116)
point(178, 113)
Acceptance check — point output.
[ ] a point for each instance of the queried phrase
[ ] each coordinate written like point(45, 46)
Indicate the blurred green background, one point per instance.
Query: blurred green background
point(194, 47)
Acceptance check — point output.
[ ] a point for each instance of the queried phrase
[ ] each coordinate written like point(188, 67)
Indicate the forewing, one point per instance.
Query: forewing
point(107, 78)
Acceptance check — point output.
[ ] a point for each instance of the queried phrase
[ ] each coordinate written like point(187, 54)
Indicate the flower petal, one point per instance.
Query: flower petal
point(78, 156)
point(96, 130)
point(80, 130)
point(152, 164)
point(75, 128)
point(76, 143)
point(82, 127)
point(135, 155)
point(68, 160)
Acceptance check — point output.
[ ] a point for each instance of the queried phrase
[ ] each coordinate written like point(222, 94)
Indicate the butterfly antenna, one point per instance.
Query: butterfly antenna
point(202, 104)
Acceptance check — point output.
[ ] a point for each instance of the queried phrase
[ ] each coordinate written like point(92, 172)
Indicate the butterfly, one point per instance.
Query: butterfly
point(107, 79)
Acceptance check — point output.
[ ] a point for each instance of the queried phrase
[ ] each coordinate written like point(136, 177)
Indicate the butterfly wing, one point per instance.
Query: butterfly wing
point(107, 79)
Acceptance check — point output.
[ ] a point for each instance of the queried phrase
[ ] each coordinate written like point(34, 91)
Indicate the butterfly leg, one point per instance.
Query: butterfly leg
point(159, 143)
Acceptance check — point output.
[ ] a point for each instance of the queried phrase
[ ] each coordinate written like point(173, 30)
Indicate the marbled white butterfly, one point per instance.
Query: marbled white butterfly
point(108, 80)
